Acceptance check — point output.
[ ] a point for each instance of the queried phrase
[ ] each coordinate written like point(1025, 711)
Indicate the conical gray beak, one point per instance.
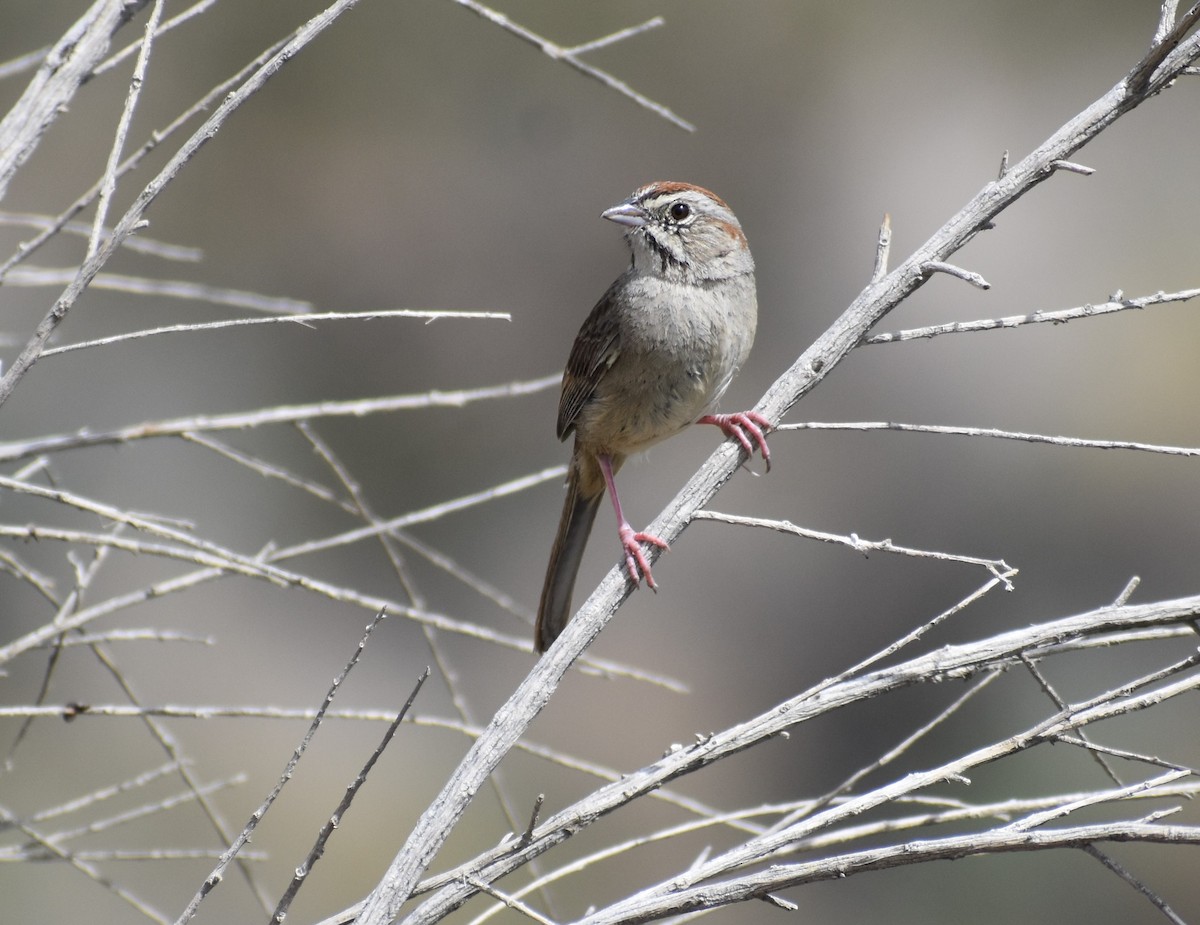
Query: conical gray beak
point(626, 214)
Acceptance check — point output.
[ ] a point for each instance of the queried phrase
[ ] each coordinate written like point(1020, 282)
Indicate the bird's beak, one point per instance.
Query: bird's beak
point(627, 213)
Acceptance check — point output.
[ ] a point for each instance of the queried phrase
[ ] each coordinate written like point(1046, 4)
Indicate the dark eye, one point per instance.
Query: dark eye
point(680, 210)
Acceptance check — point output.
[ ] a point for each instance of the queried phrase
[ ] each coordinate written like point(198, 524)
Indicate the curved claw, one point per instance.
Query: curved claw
point(635, 560)
point(743, 427)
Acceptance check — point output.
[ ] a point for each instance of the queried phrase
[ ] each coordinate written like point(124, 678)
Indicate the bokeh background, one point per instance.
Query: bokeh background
point(416, 156)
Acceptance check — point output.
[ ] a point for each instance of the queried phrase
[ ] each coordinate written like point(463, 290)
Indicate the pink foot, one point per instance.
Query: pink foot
point(744, 426)
point(635, 559)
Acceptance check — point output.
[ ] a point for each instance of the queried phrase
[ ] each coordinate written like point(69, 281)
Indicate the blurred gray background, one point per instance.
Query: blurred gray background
point(418, 157)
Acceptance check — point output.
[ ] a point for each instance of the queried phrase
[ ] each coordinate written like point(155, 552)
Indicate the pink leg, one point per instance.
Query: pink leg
point(744, 427)
point(635, 559)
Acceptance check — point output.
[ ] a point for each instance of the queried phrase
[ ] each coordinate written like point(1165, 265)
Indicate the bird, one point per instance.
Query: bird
point(653, 357)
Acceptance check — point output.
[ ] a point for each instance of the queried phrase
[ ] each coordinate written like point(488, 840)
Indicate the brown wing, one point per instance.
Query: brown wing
point(596, 348)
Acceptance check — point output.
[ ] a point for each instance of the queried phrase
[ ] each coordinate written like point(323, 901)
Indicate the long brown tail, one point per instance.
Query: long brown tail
point(574, 525)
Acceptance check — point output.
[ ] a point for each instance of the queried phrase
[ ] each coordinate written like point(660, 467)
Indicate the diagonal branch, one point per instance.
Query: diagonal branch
point(571, 56)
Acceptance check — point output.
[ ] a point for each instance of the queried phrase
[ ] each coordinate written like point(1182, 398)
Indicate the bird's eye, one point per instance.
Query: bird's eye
point(680, 210)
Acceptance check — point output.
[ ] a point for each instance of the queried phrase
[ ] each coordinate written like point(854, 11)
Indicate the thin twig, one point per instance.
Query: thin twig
point(227, 857)
point(570, 56)
point(1157, 901)
point(108, 183)
point(318, 848)
point(967, 276)
point(883, 247)
point(1061, 316)
point(178, 20)
point(305, 319)
point(992, 432)
point(997, 567)
point(54, 850)
point(160, 288)
point(284, 414)
point(139, 244)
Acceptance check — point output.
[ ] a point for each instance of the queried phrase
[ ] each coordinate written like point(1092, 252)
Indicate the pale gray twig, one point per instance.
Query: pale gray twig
point(54, 850)
point(84, 574)
point(305, 319)
point(139, 243)
point(992, 432)
point(231, 853)
point(284, 414)
point(997, 567)
point(1044, 683)
point(161, 288)
point(839, 836)
point(967, 276)
point(1166, 20)
point(1127, 591)
point(1116, 304)
point(571, 56)
point(26, 854)
point(318, 848)
point(1038, 819)
point(108, 182)
point(42, 584)
point(888, 757)
point(1091, 746)
point(509, 901)
point(1072, 167)
point(269, 470)
point(177, 20)
point(390, 548)
point(1109, 862)
point(22, 63)
point(105, 793)
point(433, 512)
point(883, 247)
point(151, 809)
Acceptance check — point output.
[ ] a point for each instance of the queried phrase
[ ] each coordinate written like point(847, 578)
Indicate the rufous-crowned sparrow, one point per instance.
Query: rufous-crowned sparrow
point(653, 357)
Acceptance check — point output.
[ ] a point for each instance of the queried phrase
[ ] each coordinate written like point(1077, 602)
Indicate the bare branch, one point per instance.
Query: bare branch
point(305, 319)
point(570, 56)
point(231, 853)
point(999, 434)
point(883, 247)
point(284, 414)
point(968, 276)
point(318, 848)
point(139, 244)
point(108, 183)
point(997, 567)
point(1039, 317)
